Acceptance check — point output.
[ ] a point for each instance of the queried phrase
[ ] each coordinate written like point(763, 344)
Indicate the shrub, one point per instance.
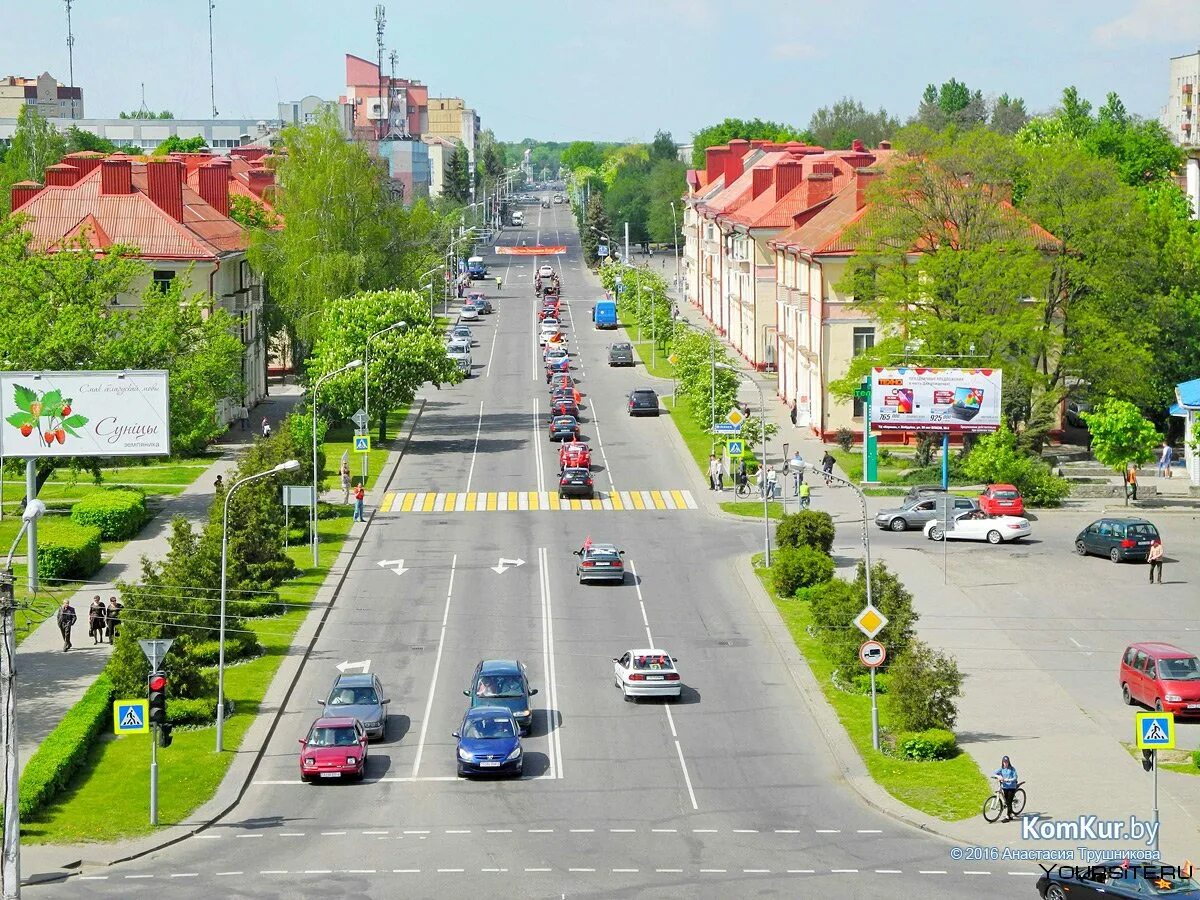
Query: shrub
point(862, 683)
point(995, 459)
point(118, 513)
point(836, 603)
point(934, 743)
point(66, 748)
point(1196, 758)
point(799, 567)
point(208, 653)
point(807, 528)
point(924, 685)
point(67, 551)
point(198, 711)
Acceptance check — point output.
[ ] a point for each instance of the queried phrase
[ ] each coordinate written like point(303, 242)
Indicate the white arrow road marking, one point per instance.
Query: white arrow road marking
point(365, 665)
point(396, 565)
point(505, 564)
point(1085, 651)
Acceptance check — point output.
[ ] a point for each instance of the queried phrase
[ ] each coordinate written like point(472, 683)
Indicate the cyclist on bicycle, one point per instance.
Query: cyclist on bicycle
point(805, 494)
point(1007, 776)
point(742, 479)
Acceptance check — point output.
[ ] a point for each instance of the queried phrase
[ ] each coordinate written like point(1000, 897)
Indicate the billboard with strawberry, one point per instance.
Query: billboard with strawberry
point(84, 414)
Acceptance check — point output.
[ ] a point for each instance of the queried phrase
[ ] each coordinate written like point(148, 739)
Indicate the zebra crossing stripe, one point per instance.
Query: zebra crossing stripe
point(534, 501)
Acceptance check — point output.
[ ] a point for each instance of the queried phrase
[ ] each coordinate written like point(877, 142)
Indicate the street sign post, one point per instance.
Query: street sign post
point(602, 250)
point(870, 621)
point(362, 443)
point(736, 448)
point(735, 417)
point(360, 419)
point(872, 654)
point(726, 428)
point(294, 495)
point(1154, 731)
point(156, 651)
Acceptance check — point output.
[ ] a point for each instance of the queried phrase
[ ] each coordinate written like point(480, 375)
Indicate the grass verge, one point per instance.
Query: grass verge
point(950, 790)
point(699, 442)
point(654, 362)
point(753, 508)
point(340, 439)
point(109, 799)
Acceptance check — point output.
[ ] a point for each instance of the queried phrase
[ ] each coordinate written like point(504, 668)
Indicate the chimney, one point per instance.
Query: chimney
point(857, 146)
point(714, 162)
point(23, 192)
point(116, 175)
point(820, 187)
point(733, 161)
point(213, 182)
point(250, 154)
point(758, 145)
point(789, 174)
point(762, 180)
point(885, 145)
point(260, 181)
point(61, 175)
point(862, 178)
point(824, 167)
point(164, 185)
point(86, 161)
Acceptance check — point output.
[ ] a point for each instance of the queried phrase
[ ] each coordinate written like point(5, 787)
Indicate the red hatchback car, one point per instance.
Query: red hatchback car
point(1162, 677)
point(336, 747)
point(1002, 500)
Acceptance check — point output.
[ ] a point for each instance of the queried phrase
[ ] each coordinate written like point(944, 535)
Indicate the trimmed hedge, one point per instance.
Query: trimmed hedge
point(119, 513)
point(186, 711)
point(794, 568)
point(936, 743)
point(237, 646)
point(66, 748)
point(67, 551)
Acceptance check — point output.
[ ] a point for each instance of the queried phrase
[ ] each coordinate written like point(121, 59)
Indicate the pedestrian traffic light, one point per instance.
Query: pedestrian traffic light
point(1148, 760)
point(164, 736)
point(157, 697)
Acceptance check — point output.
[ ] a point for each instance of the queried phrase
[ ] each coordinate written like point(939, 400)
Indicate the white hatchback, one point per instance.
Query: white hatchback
point(646, 673)
point(977, 525)
point(546, 271)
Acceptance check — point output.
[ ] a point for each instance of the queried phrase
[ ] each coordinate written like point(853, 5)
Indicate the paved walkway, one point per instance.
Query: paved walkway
point(59, 679)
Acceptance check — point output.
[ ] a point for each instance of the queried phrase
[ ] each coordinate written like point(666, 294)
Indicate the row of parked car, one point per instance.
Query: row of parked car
point(462, 339)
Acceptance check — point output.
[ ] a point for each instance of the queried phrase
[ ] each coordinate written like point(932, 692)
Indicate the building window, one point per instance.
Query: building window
point(163, 279)
point(864, 340)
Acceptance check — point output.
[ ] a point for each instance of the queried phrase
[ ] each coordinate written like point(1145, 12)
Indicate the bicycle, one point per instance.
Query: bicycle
point(743, 488)
point(995, 806)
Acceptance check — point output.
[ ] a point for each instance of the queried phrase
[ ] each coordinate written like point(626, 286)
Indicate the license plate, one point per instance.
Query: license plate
point(654, 678)
point(601, 565)
point(330, 774)
point(490, 764)
point(1193, 706)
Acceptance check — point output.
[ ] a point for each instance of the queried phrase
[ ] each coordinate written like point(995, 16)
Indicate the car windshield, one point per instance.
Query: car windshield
point(1141, 532)
point(1005, 495)
point(499, 686)
point(564, 422)
point(332, 737)
point(640, 397)
point(488, 727)
point(353, 696)
point(1187, 669)
point(621, 348)
point(652, 662)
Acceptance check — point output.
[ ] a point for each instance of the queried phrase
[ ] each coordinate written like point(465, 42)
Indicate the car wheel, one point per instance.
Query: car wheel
point(1158, 705)
point(898, 524)
point(626, 696)
point(1055, 892)
point(1115, 555)
point(1081, 548)
point(305, 778)
point(1126, 696)
point(461, 773)
point(936, 534)
point(994, 537)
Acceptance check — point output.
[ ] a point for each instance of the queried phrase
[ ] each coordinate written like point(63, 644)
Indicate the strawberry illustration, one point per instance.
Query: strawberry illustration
point(48, 436)
point(60, 435)
point(35, 408)
point(26, 430)
point(66, 410)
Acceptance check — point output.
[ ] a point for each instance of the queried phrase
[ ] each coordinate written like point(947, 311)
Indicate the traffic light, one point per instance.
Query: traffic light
point(1148, 760)
point(157, 697)
point(164, 736)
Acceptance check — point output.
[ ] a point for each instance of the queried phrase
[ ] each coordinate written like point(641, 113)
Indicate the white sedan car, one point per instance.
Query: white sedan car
point(977, 525)
point(554, 352)
point(546, 271)
point(646, 673)
point(468, 313)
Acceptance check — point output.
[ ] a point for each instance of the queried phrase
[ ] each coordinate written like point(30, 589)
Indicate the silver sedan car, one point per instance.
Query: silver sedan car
point(646, 673)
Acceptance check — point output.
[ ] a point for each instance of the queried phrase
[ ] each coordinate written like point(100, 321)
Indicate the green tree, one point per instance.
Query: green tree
point(665, 185)
point(748, 130)
point(250, 213)
point(175, 144)
point(923, 686)
point(951, 104)
point(35, 145)
point(837, 126)
point(1008, 114)
point(627, 200)
point(596, 223)
point(1121, 436)
point(663, 146)
point(807, 528)
point(400, 361)
point(80, 140)
point(580, 154)
point(457, 183)
point(147, 114)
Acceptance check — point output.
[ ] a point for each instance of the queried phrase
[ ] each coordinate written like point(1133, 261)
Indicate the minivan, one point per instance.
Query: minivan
point(1162, 677)
point(604, 314)
point(1118, 539)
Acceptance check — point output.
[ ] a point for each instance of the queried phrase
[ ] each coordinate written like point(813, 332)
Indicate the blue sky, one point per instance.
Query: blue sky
point(616, 70)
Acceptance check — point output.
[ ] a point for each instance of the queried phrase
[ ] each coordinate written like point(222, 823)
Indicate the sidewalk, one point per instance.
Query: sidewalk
point(60, 679)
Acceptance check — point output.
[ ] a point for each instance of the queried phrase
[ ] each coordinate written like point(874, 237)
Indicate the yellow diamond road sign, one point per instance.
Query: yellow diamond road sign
point(672, 359)
point(870, 621)
point(735, 416)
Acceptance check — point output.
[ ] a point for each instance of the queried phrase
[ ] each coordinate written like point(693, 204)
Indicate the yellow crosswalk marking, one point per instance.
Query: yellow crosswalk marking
point(616, 500)
point(512, 500)
point(407, 505)
point(471, 498)
point(677, 496)
point(430, 500)
point(638, 501)
point(491, 501)
point(534, 501)
point(451, 499)
point(659, 503)
point(388, 499)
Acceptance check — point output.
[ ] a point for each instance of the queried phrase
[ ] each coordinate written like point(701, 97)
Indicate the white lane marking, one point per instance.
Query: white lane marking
point(93, 878)
point(318, 871)
point(533, 336)
point(663, 830)
point(451, 870)
point(375, 832)
point(787, 830)
point(828, 831)
point(581, 870)
point(248, 835)
point(583, 830)
point(418, 831)
point(495, 334)
point(272, 871)
point(592, 402)
point(547, 869)
point(499, 831)
point(677, 871)
point(671, 722)
point(291, 833)
point(475, 449)
point(756, 871)
point(802, 871)
point(745, 831)
point(539, 465)
point(888, 872)
point(705, 831)
point(686, 777)
point(844, 871)
point(1030, 874)
point(437, 665)
point(184, 874)
point(332, 833)
point(549, 660)
point(935, 872)
point(493, 870)
point(207, 837)
point(132, 877)
point(976, 873)
point(623, 830)
point(625, 870)
point(869, 831)
point(541, 831)
point(406, 871)
point(458, 831)
point(229, 873)
point(712, 871)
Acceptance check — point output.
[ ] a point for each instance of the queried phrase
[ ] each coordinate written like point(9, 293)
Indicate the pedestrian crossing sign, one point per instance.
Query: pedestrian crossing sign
point(362, 443)
point(736, 448)
point(129, 717)
point(1155, 731)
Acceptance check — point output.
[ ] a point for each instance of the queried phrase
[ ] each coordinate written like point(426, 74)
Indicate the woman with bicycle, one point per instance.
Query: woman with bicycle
point(1007, 776)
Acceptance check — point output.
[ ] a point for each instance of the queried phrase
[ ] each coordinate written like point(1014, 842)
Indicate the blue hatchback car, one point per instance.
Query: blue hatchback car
point(489, 742)
point(503, 682)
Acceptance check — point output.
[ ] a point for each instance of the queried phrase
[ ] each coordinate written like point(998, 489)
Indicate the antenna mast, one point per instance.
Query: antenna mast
point(212, 72)
point(397, 123)
point(71, 57)
point(380, 22)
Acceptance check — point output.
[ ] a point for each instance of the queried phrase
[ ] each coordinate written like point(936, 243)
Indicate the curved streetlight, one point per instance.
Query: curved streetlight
point(762, 405)
point(290, 466)
point(312, 536)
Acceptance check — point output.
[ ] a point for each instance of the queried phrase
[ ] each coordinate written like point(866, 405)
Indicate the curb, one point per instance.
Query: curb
point(282, 681)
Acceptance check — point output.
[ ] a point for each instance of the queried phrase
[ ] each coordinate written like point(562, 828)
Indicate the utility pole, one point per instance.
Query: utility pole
point(212, 70)
point(380, 23)
point(8, 708)
point(71, 57)
point(626, 259)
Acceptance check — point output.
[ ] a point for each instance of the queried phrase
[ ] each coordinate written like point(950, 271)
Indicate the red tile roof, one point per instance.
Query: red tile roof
point(239, 176)
point(59, 213)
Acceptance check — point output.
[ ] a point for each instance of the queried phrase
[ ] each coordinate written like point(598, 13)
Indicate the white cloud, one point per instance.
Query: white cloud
point(794, 50)
point(1153, 21)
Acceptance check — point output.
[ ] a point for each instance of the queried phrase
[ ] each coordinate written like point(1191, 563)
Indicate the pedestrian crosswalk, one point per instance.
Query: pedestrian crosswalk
point(512, 501)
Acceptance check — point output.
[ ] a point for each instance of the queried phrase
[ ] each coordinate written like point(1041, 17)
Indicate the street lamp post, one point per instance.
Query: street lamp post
point(675, 231)
point(312, 537)
point(367, 379)
point(762, 405)
point(290, 466)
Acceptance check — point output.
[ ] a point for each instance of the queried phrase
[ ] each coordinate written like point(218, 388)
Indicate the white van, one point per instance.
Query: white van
point(518, 218)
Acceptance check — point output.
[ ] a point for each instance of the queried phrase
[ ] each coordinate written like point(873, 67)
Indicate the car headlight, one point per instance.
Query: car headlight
point(521, 713)
point(464, 755)
point(516, 754)
point(1173, 698)
point(310, 761)
point(352, 760)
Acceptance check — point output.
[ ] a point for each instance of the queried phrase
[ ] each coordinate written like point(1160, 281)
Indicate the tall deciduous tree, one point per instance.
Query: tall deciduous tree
point(176, 144)
point(951, 104)
point(35, 144)
point(665, 185)
point(1121, 436)
point(579, 154)
point(663, 146)
point(837, 126)
point(78, 140)
point(596, 223)
point(749, 130)
point(1008, 114)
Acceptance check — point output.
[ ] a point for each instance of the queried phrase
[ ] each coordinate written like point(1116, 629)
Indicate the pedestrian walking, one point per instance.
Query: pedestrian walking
point(720, 474)
point(792, 414)
point(827, 462)
point(218, 486)
point(66, 621)
point(805, 494)
point(1131, 482)
point(1156, 559)
point(499, 283)
point(772, 483)
point(345, 482)
point(112, 617)
point(712, 471)
point(1166, 457)
point(266, 427)
point(359, 497)
point(243, 416)
point(96, 620)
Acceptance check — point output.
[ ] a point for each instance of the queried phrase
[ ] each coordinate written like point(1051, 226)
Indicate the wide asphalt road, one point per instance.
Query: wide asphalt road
point(731, 792)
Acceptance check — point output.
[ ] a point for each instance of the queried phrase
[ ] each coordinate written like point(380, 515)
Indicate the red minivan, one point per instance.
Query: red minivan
point(1162, 677)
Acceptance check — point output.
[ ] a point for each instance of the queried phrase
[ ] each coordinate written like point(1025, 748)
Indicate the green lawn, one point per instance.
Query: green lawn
point(109, 800)
point(340, 439)
point(699, 442)
point(753, 508)
point(655, 362)
point(889, 469)
point(949, 790)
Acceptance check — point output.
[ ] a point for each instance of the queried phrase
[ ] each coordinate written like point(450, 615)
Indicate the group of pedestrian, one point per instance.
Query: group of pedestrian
point(102, 620)
point(360, 495)
point(716, 473)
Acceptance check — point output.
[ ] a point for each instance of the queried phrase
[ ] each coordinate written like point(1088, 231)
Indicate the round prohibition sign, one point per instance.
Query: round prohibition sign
point(872, 654)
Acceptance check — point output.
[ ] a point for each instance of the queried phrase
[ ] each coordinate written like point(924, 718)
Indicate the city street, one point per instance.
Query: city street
point(731, 791)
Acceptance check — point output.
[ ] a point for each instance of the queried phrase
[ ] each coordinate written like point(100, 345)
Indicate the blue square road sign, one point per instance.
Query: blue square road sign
point(1155, 731)
point(362, 443)
point(736, 448)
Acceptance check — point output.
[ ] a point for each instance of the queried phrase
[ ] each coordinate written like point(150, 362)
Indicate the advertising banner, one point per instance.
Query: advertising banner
point(530, 251)
point(960, 401)
point(84, 414)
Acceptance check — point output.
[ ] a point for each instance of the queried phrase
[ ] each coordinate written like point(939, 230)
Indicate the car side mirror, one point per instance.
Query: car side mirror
point(577, 553)
point(532, 691)
point(301, 741)
point(385, 702)
point(466, 693)
point(616, 659)
point(455, 734)
point(622, 552)
point(674, 659)
point(320, 702)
